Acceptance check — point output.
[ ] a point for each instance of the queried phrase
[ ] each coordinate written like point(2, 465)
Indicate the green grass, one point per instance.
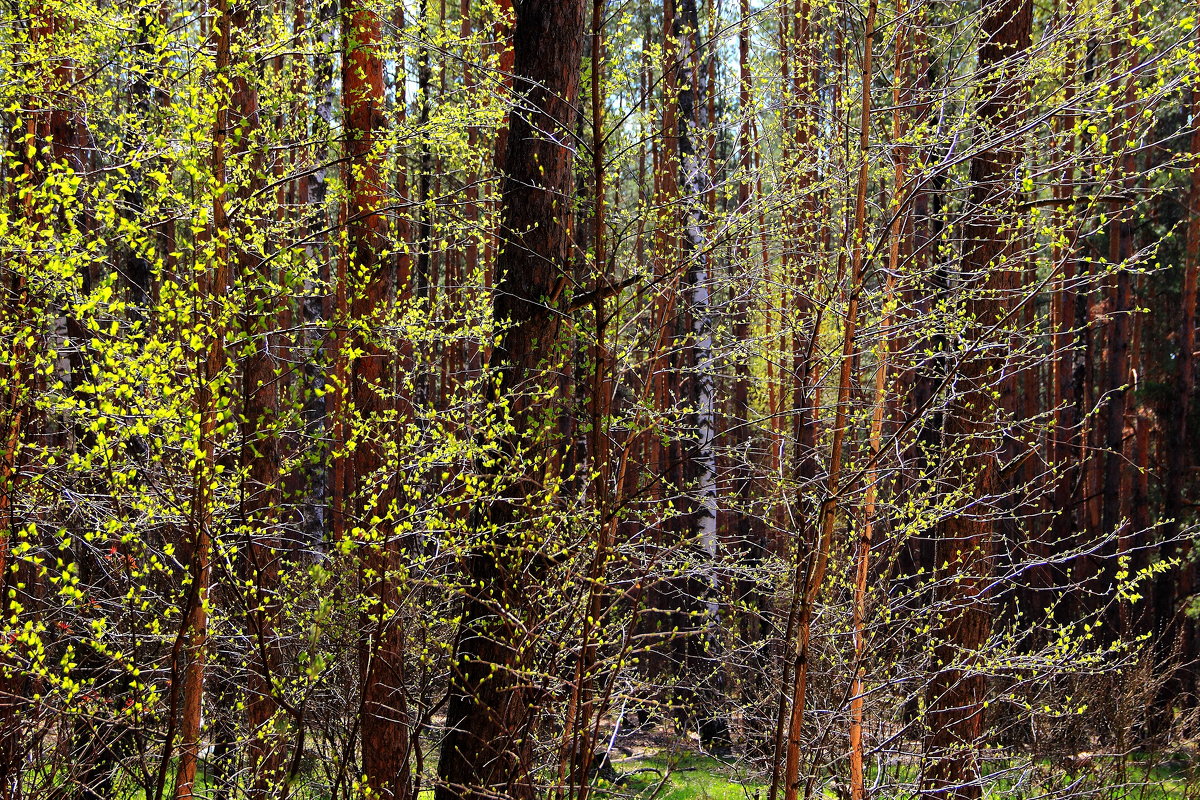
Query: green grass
point(687, 776)
point(682, 776)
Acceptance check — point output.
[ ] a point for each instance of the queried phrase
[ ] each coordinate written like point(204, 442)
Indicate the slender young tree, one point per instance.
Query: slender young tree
point(873, 476)
point(810, 573)
point(214, 283)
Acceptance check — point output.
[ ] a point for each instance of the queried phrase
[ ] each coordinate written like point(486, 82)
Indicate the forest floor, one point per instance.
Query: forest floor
point(649, 771)
point(657, 765)
point(675, 774)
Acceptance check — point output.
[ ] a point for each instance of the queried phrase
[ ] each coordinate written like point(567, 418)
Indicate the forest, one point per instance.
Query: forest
point(614, 399)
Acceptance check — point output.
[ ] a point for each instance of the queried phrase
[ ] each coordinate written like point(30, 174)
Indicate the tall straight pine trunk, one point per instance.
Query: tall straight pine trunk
point(487, 752)
point(368, 495)
point(991, 275)
point(1171, 589)
point(1114, 520)
point(260, 446)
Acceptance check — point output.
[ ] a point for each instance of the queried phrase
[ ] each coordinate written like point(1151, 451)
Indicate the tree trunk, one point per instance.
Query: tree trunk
point(1120, 247)
point(260, 450)
point(1172, 590)
point(384, 723)
point(809, 573)
point(20, 422)
point(797, 68)
point(741, 528)
point(896, 236)
point(213, 286)
point(955, 697)
point(1070, 360)
point(490, 714)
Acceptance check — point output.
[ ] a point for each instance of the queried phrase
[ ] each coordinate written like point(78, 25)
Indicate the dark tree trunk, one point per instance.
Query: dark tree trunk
point(491, 713)
point(213, 286)
point(991, 273)
point(1114, 520)
point(740, 526)
point(1070, 361)
point(260, 445)
point(1174, 589)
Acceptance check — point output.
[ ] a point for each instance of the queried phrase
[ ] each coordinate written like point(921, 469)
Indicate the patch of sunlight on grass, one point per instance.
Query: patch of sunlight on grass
point(669, 776)
point(680, 777)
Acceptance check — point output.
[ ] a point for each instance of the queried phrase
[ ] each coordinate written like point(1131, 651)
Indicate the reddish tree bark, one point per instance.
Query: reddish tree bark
point(955, 697)
point(1070, 345)
point(487, 746)
point(213, 286)
point(18, 382)
point(1114, 520)
point(366, 283)
point(259, 447)
point(896, 240)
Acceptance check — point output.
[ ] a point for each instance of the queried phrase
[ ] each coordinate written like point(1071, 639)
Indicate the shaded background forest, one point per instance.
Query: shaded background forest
point(421, 396)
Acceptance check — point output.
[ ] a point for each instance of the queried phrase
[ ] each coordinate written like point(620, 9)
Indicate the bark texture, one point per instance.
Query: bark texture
point(486, 752)
point(367, 492)
point(991, 275)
